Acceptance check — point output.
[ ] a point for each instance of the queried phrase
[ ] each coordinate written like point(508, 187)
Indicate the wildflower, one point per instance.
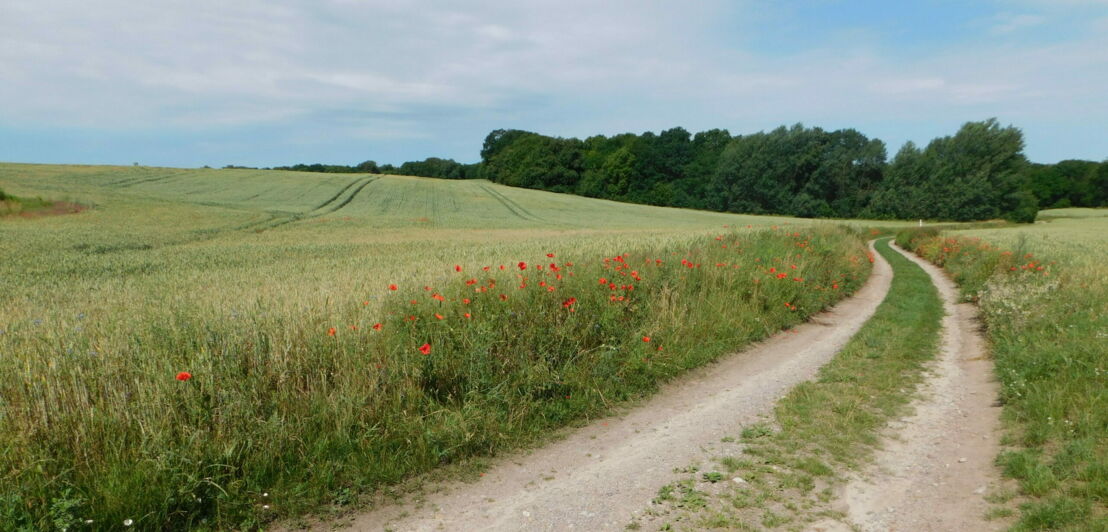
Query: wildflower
point(392, 287)
point(414, 302)
point(471, 282)
point(376, 326)
point(184, 376)
point(569, 302)
point(646, 339)
point(467, 315)
point(486, 268)
point(503, 297)
point(522, 265)
point(457, 268)
point(773, 270)
point(331, 331)
point(439, 316)
point(550, 255)
point(465, 301)
point(603, 281)
point(425, 349)
point(782, 275)
point(438, 297)
point(128, 522)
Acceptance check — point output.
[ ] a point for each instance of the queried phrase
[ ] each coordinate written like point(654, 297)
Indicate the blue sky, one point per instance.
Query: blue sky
point(262, 83)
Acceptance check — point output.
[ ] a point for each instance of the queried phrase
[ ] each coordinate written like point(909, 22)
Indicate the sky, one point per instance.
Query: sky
point(277, 82)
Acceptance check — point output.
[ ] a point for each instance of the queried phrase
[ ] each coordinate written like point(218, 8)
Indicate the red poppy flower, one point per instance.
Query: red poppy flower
point(486, 268)
point(550, 255)
point(392, 287)
point(184, 376)
point(646, 339)
point(465, 301)
point(522, 265)
point(425, 349)
point(503, 297)
point(438, 297)
point(457, 268)
point(603, 281)
point(471, 282)
point(773, 270)
point(331, 331)
point(376, 326)
point(439, 316)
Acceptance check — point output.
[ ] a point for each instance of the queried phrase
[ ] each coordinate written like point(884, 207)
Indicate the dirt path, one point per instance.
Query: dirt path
point(601, 474)
point(937, 466)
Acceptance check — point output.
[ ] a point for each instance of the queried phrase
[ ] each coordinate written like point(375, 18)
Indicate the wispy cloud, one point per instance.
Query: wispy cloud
point(431, 77)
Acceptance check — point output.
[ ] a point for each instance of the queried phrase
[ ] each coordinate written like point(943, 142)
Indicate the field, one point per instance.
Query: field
point(264, 287)
point(220, 348)
point(1044, 300)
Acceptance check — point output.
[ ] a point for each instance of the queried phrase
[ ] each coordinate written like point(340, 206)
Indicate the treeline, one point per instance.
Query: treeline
point(978, 173)
point(429, 167)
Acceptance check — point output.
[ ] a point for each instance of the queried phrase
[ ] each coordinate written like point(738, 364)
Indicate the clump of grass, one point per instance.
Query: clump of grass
point(1047, 320)
point(282, 412)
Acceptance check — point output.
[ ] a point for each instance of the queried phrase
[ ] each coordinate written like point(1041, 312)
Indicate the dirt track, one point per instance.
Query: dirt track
point(600, 475)
point(937, 464)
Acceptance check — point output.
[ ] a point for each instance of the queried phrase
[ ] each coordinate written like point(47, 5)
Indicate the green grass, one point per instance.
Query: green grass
point(833, 423)
point(238, 276)
point(1044, 299)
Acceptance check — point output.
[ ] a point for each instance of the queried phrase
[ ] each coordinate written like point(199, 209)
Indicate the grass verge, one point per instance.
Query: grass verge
point(1048, 326)
point(783, 472)
point(215, 422)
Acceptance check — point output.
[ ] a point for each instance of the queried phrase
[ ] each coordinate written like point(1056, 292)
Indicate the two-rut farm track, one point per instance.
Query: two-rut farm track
point(601, 475)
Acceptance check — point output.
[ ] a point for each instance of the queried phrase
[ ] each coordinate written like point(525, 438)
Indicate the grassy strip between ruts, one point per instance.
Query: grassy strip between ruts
point(1047, 324)
point(272, 415)
point(782, 473)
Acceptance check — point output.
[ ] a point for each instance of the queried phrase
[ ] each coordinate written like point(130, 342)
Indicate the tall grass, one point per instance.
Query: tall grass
point(1047, 320)
point(284, 410)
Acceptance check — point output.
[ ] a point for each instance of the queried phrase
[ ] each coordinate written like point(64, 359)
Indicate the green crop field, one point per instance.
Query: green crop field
point(265, 287)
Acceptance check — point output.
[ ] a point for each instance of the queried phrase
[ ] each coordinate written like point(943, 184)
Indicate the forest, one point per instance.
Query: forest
point(978, 173)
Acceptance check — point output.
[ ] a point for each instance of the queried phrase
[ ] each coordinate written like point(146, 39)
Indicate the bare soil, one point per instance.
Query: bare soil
point(601, 475)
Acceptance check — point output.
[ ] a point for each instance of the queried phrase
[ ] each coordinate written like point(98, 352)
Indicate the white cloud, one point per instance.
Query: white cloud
point(399, 69)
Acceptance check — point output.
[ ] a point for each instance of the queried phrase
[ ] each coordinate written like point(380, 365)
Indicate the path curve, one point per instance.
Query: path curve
point(602, 474)
point(935, 470)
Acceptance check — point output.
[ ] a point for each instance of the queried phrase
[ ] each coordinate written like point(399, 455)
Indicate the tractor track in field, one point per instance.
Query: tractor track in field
point(512, 206)
point(132, 181)
point(936, 465)
point(602, 475)
point(324, 208)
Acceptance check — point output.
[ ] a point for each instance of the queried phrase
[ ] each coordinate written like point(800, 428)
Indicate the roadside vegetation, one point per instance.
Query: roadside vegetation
point(202, 350)
point(1044, 300)
point(783, 472)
